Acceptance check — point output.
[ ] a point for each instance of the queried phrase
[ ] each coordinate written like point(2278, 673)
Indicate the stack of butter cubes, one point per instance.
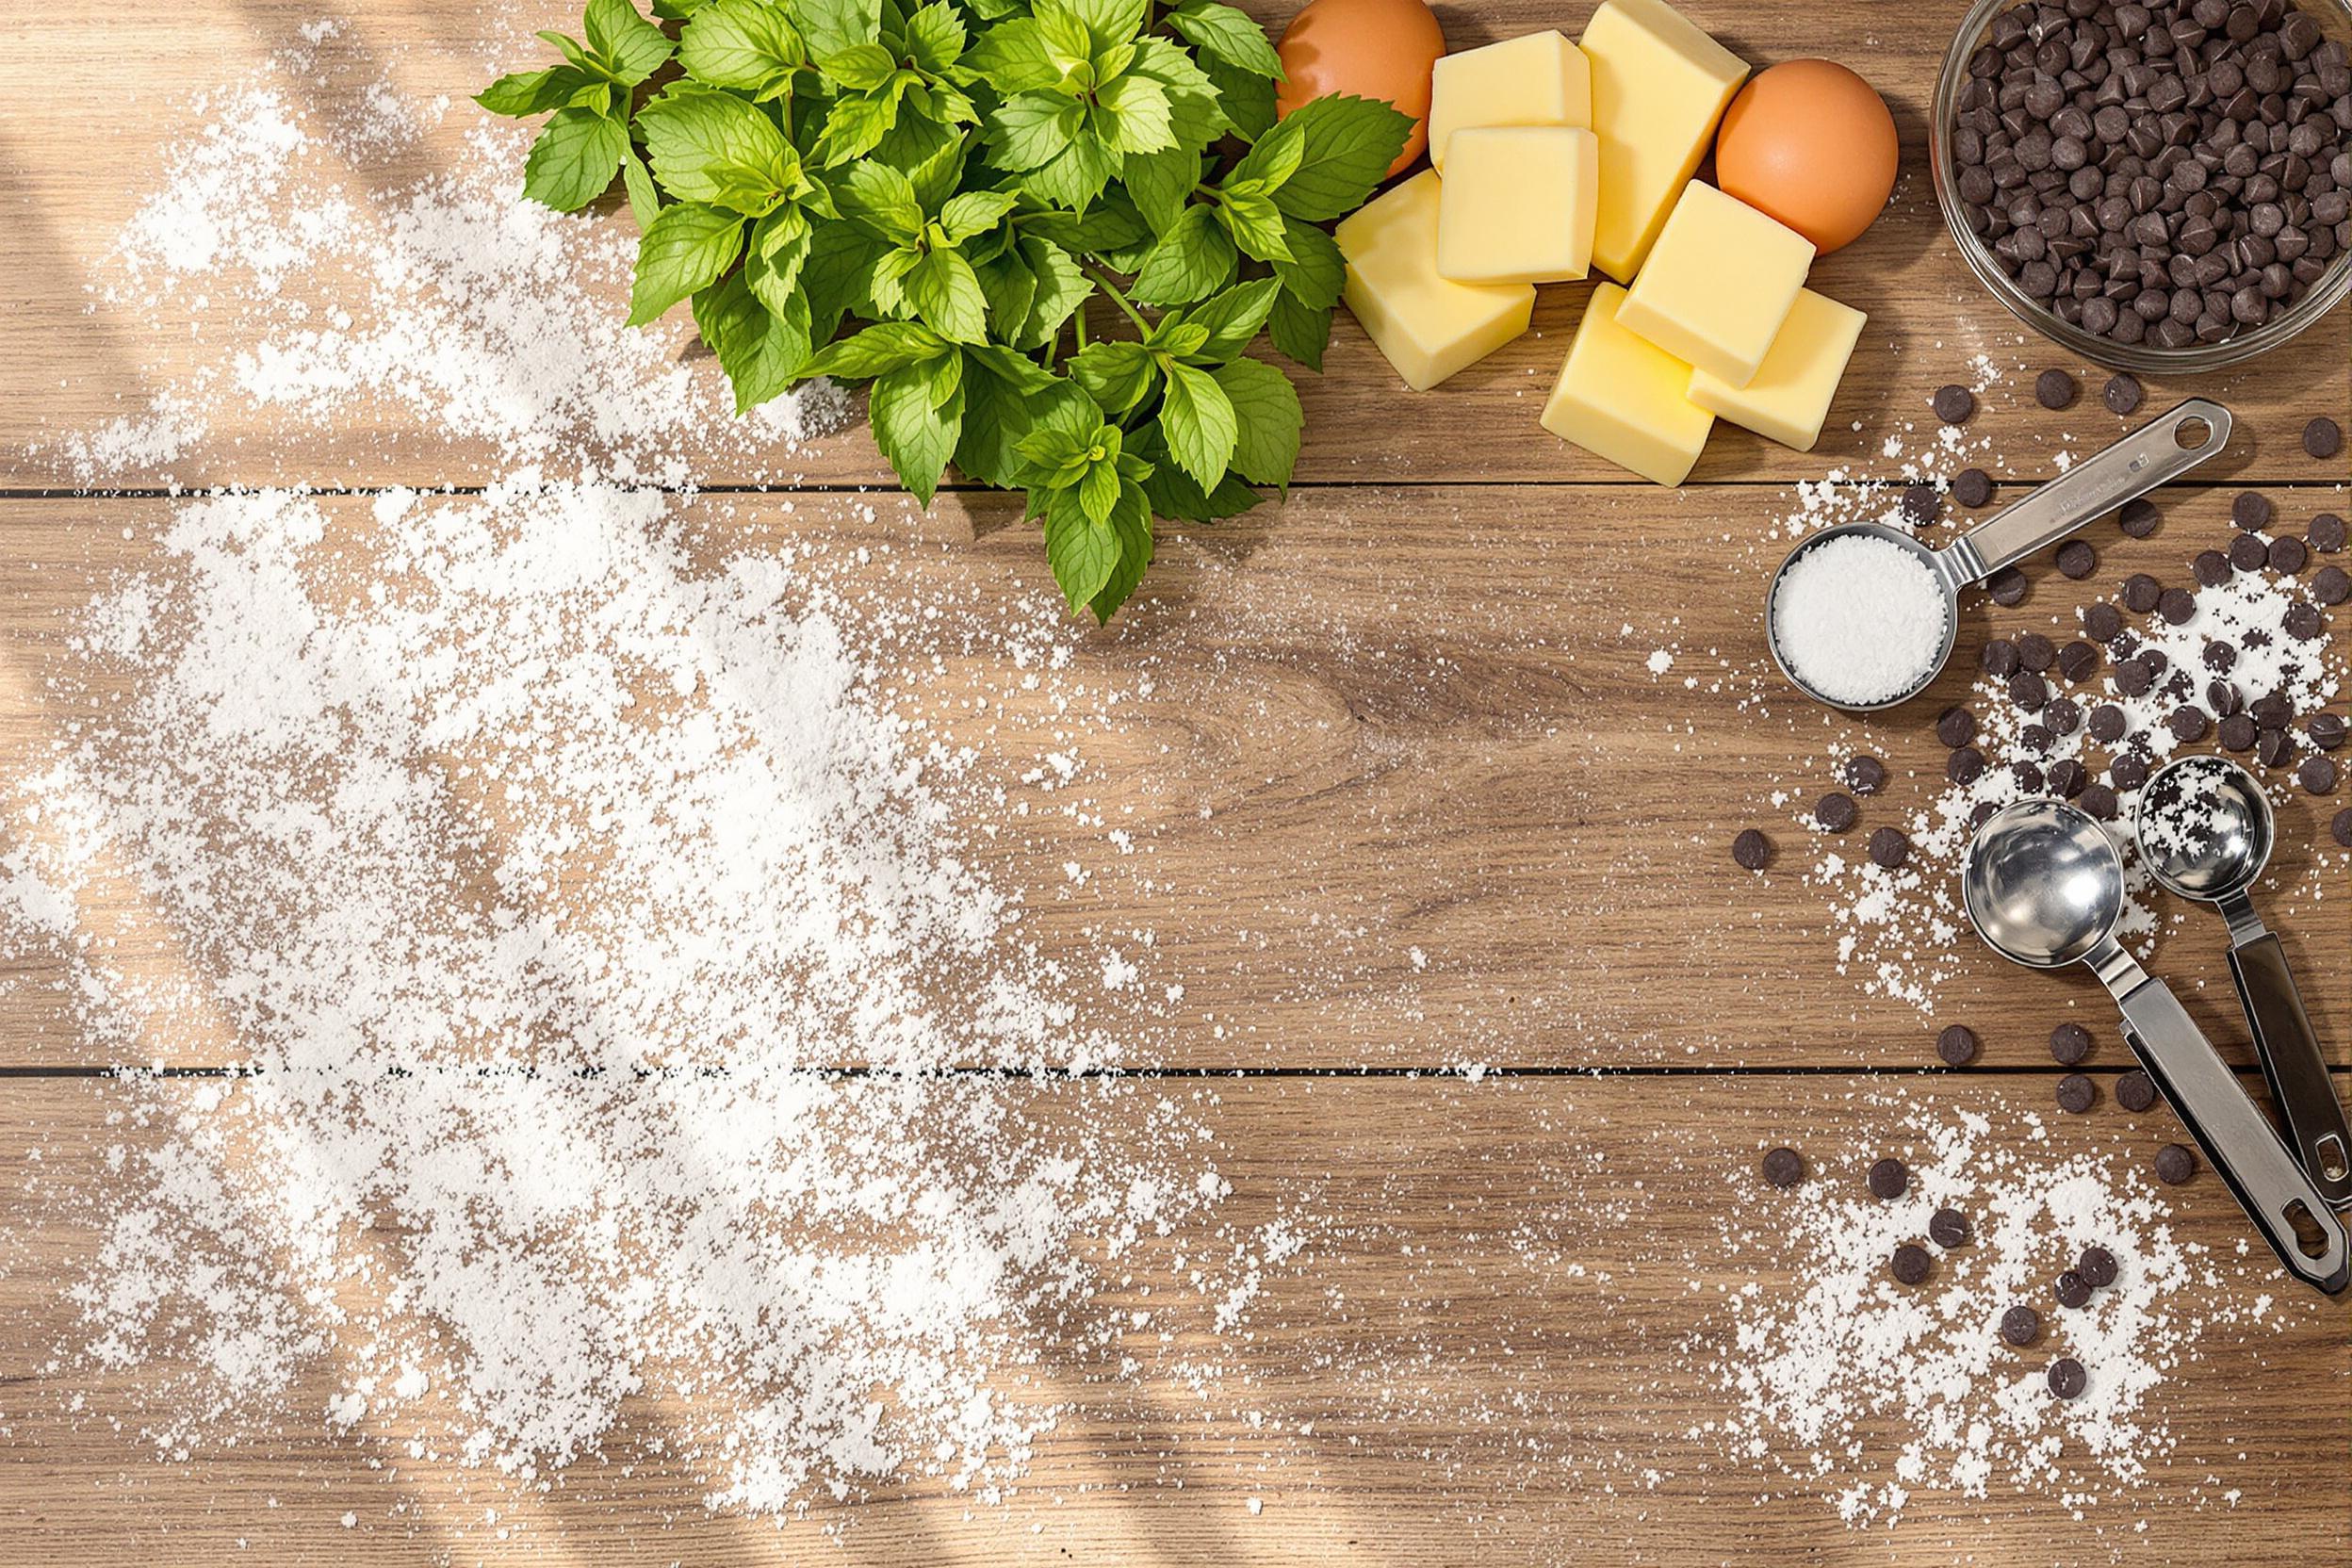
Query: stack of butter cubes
point(1550, 159)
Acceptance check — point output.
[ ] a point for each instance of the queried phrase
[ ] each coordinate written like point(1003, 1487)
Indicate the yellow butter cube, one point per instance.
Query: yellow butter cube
point(1541, 79)
point(1428, 326)
point(1790, 395)
point(1718, 284)
point(1518, 205)
point(1658, 86)
point(1623, 399)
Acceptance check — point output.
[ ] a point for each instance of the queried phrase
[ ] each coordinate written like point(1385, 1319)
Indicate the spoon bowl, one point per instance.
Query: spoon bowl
point(2205, 828)
point(2043, 883)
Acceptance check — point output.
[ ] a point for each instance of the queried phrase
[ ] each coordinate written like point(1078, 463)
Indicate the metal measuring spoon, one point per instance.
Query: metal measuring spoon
point(2205, 832)
point(2043, 884)
point(2158, 453)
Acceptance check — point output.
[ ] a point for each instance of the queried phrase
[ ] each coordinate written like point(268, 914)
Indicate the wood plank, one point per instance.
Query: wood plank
point(1398, 785)
point(78, 150)
point(1502, 1343)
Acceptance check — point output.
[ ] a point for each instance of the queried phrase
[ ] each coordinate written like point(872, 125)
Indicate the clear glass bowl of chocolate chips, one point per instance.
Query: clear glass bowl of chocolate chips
point(2164, 185)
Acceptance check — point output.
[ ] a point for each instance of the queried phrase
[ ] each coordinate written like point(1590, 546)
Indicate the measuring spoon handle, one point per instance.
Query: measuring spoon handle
point(2148, 457)
point(2239, 1143)
point(2297, 1072)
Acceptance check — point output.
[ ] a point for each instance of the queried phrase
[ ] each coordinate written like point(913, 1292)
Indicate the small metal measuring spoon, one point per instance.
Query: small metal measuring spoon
point(2158, 453)
point(2043, 884)
point(2205, 832)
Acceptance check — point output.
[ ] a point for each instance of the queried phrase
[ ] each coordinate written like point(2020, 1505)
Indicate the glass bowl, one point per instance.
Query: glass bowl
point(2335, 20)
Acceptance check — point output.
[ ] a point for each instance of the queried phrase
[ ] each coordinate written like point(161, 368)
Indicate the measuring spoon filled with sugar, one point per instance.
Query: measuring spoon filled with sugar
point(1863, 616)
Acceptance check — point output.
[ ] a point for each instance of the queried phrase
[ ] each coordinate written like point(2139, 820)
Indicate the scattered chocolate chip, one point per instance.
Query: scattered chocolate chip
point(2106, 723)
point(1889, 1179)
point(2141, 592)
point(2068, 779)
point(2276, 748)
point(2122, 395)
point(2327, 731)
point(2272, 710)
point(1956, 1045)
point(2099, 801)
point(2102, 623)
point(2220, 655)
point(1751, 850)
point(1999, 658)
point(2317, 774)
point(1911, 1263)
point(2223, 699)
point(2097, 1266)
point(2029, 690)
point(2212, 568)
point(1889, 847)
point(2070, 1043)
point(1865, 775)
point(2323, 438)
point(1836, 812)
point(2302, 621)
point(2138, 518)
point(1949, 1228)
point(2007, 587)
point(2036, 652)
point(1964, 766)
point(2287, 555)
point(2176, 605)
point(2237, 733)
point(2020, 1326)
point(1972, 487)
point(2054, 389)
point(2127, 772)
point(1955, 726)
point(2029, 776)
point(1982, 812)
point(1784, 1167)
point(2136, 1092)
point(2063, 715)
point(2331, 585)
point(2076, 1093)
point(2326, 534)
point(1954, 404)
point(2073, 1290)
point(2188, 725)
point(1920, 502)
point(2079, 661)
point(2175, 1164)
point(2339, 827)
point(2247, 553)
point(2066, 1378)
point(2250, 511)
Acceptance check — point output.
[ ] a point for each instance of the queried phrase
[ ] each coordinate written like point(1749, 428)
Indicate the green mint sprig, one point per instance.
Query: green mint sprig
point(936, 199)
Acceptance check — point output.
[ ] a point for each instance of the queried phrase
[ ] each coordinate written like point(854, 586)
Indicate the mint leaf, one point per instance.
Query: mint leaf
point(574, 159)
point(975, 212)
point(840, 260)
point(1300, 330)
point(711, 146)
point(1075, 177)
point(882, 347)
point(1193, 259)
point(917, 412)
point(856, 126)
point(1232, 319)
point(630, 47)
point(760, 351)
point(1011, 58)
point(1255, 224)
point(1161, 184)
point(1062, 288)
point(1030, 129)
point(527, 93)
point(1267, 417)
point(1007, 399)
point(645, 201)
point(1227, 35)
point(860, 67)
point(1116, 374)
point(1268, 166)
point(1107, 22)
point(880, 200)
point(1315, 272)
point(749, 45)
point(1244, 97)
point(685, 248)
point(833, 26)
point(1132, 114)
point(942, 289)
point(1348, 145)
point(779, 248)
point(1196, 418)
point(1081, 553)
point(1173, 493)
point(1195, 112)
point(935, 37)
point(1131, 523)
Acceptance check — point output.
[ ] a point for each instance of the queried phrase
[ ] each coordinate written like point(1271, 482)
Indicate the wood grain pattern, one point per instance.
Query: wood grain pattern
point(1472, 1399)
point(78, 152)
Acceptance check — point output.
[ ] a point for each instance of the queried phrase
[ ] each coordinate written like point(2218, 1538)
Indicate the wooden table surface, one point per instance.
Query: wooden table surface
point(1413, 799)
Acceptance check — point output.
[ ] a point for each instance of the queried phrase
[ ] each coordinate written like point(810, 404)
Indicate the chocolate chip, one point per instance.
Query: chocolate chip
point(2276, 748)
point(2176, 605)
point(2099, 801)
point(2106, 723)
point(2327, 731)
point(2122, 395)
point(1999, 658)
point(1972, 487)
point(2073, 1290)
point(2212, 568)
point(2076, 1093)
point(1956, 1045)
point(2070, 1043)
point(2066, 1378)
point(1953, 404)
point(2036, 652)
point(2289, 555)
point(1964, 766)
point(1836, 812)
point(2097, 1266)
point(2248, 553)
point(2136, 1092)
point(2250, 511)
point(1911, 1263)
point(2237, 733)
point(2219, 655)
point(2272, 710)
point(2141, 593)
point(2188, 725)
point(2102, 623)
point(2175, 1164)
point(2007, 587)
point(2127, 772)
point(2054, 389)
point(2302, 621)
point(2138, 518)
point(2062, 715)
point(2079, 661)
point(1751, 850)
point(2029, 690)
point(1889, 1179)
point(1889, 847)
point(2020, 1326)
point(2317, 774)
point(1784, 1167)
point(1949, 1228)
point(2068, 779)
point(2326, 534)
point(1955, 726)
point(2331, 585)
point(1865, 775)
point(2339, 827)
point(2323, 438)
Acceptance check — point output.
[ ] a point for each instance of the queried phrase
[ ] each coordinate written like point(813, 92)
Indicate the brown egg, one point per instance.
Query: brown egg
point(1811, 144)
point(1367, 48)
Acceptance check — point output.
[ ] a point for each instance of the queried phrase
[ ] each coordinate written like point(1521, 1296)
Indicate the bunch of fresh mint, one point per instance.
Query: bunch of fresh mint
point(958, 182)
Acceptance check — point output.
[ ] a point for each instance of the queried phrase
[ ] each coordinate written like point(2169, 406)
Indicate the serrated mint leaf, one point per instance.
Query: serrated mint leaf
point(1062, 288)
point(1195, 116)
point(882, 347)
point(1161, 184)
point(1267, 417)
point(916, 424)
point(630, 47)
point(1231, 318)
point(840, 259)
point(860, 68)
point(1315, 272)
point(1132, 114)
point(685, 248)
point(713, 147)
point(1030, 129)
point(855, 126)
point(1348, 145)
point(833, 26)
point(1010, 287)
point(575, 56)
point(1197, 419)
point(1005, 399)
point(526, 93)
point(749, 45)
point(880, 200)
point(1298, 330)
point(1098, 491)
point(1011, 58)
point(1173, 493)
point(1110, 22)
point(1246, 98)
point(940, 289)
point(1113, 226)
point(935, 37)
point(1075, 177)
point(1081, 553)
point(1193, 260)
point(1256, 225)
point(760, 349)
point(1227, 35)
point(644, 200)
point(1131, 522)
point(975, 212)
point(1177, 336)
point(1116, 374)
point(1268, 166)
point(574, 159)
point(779, 248)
